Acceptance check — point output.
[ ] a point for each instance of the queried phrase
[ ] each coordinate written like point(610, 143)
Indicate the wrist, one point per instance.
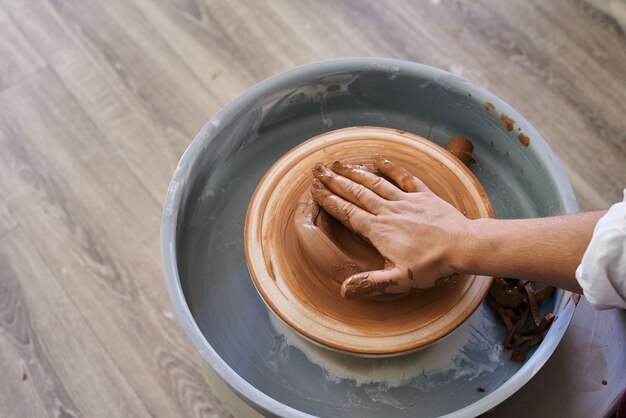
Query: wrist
point(473, 246)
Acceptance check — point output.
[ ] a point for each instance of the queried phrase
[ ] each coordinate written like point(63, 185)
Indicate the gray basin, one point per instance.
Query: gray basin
point(259, 358)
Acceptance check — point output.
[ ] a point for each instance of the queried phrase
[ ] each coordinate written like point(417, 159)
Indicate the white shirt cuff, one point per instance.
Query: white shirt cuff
point(602, 271)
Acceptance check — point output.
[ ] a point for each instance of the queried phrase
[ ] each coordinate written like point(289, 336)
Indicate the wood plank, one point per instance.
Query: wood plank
point(122, 42)
point(16, 388)
point(19, 59)
point(229, 45)
point(7, 189)
point(147, 104)
point(100, 227)
point(42, 329)
point(7, 221)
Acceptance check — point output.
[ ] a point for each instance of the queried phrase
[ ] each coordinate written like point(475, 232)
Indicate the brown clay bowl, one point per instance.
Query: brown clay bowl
point(311, 302)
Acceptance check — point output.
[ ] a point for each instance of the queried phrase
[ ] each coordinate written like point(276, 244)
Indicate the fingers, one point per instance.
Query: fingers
point(375, 183)
point(405, 180)
point(378, 282)
point(350, 215)
point(348, 189)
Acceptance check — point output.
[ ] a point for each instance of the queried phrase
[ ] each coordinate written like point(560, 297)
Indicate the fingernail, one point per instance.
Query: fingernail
point(318, 169)
point(318, 185)
point(321, 171)
point(357, 287)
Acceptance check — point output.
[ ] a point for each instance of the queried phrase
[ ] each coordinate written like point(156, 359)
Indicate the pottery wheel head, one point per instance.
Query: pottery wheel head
point(298, 255)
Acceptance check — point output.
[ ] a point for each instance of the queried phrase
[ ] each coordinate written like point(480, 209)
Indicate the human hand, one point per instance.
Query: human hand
point(419, 233)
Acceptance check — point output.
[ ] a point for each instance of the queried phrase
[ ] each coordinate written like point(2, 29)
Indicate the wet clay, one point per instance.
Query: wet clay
point(334, 251)
point(462, 148)
point(329, 248)
point(298, 255)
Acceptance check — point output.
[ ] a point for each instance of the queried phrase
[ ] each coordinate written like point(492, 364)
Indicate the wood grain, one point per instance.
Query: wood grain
point(99, 99)
point(18, 57)
point(7, 222)
point(100, 226)
point(59, 360)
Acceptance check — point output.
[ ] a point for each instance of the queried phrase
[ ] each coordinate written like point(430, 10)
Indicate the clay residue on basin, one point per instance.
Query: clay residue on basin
point(509, 123)
point(523, 139)
point(462, 148)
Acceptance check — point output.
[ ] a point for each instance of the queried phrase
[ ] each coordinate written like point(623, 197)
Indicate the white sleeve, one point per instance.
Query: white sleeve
point(602, 271)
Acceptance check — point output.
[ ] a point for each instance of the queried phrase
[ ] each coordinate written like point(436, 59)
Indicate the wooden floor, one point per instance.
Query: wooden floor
point(98, 100)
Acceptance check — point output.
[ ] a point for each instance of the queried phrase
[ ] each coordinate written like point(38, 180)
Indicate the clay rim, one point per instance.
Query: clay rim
point(253, 238)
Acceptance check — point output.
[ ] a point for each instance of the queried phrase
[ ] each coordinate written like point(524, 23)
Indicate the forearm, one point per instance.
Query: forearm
point(544, 249)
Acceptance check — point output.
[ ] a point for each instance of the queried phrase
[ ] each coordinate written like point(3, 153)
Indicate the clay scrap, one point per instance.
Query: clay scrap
point(516, 302)
point(462, 148)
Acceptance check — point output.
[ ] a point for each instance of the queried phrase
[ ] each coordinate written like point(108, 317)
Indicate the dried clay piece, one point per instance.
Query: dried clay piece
point(516, 303)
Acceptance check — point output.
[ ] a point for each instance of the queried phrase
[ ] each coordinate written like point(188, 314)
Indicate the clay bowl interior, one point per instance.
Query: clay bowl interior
point(309, 300)
point(203, 228)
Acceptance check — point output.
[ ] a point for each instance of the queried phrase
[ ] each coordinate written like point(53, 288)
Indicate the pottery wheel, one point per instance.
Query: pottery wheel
point(254, 351)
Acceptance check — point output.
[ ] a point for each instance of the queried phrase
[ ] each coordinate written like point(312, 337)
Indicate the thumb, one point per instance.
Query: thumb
point(377, 282)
